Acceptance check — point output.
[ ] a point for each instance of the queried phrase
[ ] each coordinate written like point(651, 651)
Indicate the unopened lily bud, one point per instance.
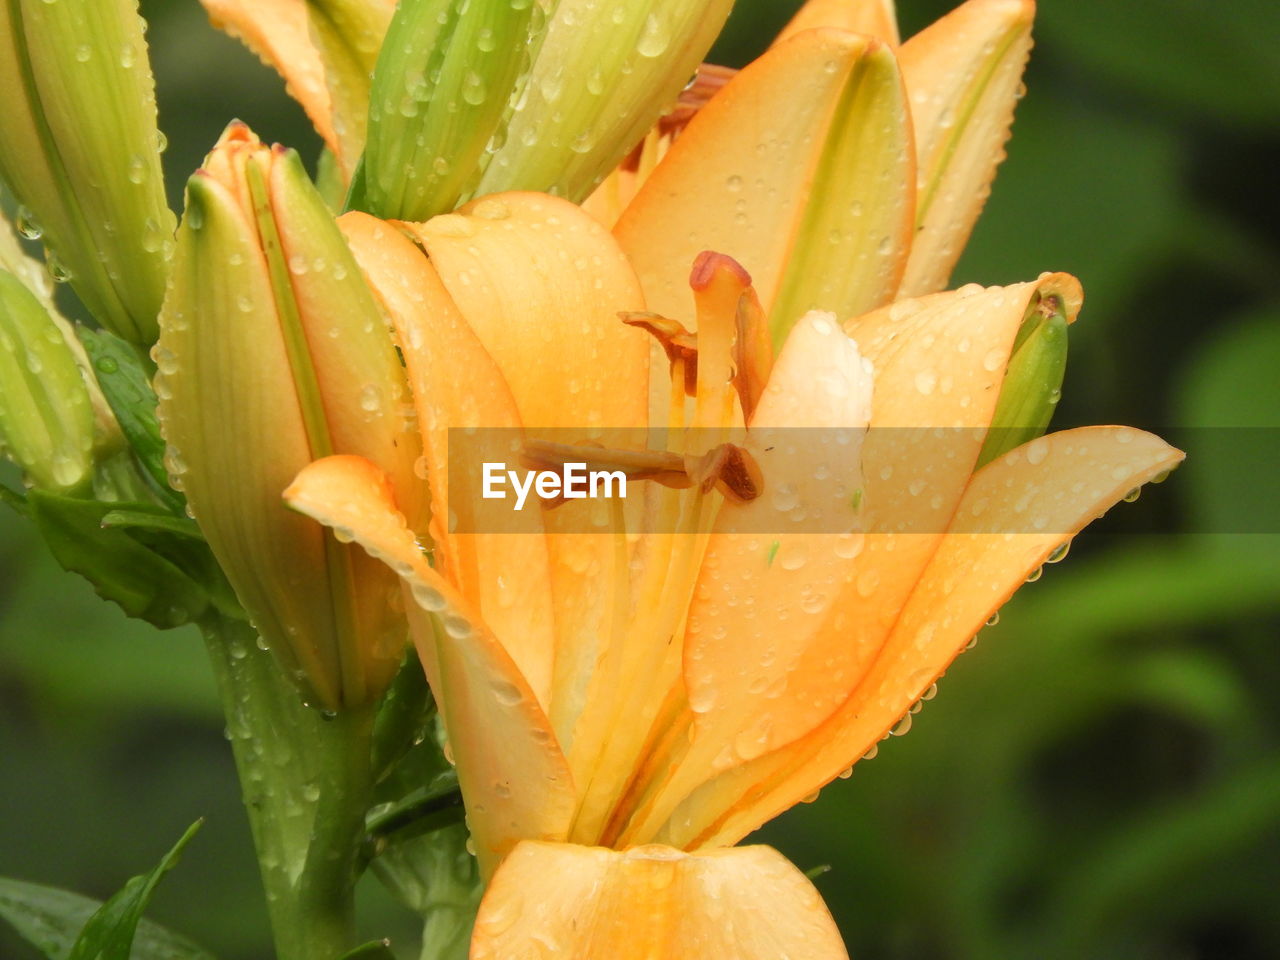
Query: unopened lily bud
point(494, 95)
point(273, 353)
point(1033, 382)
point(46, 418)
point(80, 149)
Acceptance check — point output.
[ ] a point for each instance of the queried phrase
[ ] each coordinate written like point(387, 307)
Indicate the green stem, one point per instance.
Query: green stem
point(306, 785)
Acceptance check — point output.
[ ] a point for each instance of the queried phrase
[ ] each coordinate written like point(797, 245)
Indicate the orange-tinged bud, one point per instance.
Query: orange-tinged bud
point(273, 353)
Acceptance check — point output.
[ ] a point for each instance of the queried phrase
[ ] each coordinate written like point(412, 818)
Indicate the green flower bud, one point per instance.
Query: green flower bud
point(567, 134)
point(273, 353)
point(80, 149)
point(46, 418)
point(1033, 381)
point(485, 96)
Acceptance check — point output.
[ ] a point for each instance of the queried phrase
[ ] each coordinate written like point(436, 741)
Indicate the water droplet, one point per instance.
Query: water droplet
point(992, 620)
point(60, 272)
point(137, 169)
point(473, 88)
point(83, 53)
point(1059, 552)
point(1035, 574)
point(1133, 495)
point(654, 38)
point(27, 225)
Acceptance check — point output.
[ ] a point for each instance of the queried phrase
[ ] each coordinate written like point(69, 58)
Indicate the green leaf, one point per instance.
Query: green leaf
point(56, 921)
point(14, 499)
point(109, 933)
point(127, 386)
point(373, 950)
point(1167, 57)
point(144, 582)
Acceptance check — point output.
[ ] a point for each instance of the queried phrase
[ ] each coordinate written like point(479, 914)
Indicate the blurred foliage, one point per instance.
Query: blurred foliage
point(1100, 777)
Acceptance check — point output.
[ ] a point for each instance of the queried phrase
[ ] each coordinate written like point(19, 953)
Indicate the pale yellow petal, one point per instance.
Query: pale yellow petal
point(590, 903)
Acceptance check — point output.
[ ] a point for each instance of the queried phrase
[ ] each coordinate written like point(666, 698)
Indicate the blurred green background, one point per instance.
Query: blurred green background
point(1099, 778)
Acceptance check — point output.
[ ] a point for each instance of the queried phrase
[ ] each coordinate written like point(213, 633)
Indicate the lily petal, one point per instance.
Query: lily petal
point(529, 272)
point(963, 74)
point(503, 575)
point(801, 170)
point(874, 18)
point(278, 32)
point(748, 903)
point(1015, 512)
point(514, 778)
point(541, 284)
point(939, 362)
point(347, 35)
point(747, 666)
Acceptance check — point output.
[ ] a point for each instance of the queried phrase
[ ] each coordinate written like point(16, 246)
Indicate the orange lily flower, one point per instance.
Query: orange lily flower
point(623, 707)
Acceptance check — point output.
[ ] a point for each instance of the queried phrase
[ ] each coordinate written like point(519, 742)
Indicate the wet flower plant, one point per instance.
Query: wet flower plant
point(549, 224)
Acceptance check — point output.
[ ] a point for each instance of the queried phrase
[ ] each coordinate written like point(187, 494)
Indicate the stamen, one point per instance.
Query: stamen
point(720, 285)
point(727, 467)
point(680, 345)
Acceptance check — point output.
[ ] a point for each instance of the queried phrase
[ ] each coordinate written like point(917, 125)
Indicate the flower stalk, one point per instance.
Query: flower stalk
point(306, 785)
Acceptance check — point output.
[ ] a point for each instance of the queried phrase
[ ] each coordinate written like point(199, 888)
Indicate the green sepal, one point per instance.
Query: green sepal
point(1033, 381)
point(149, 573)
point(50, 919)
point(109, 933)
point(126, 384)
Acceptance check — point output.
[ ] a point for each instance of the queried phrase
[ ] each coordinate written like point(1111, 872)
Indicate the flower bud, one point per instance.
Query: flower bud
point(1033, 381)
point(495, 95)
point(80, 149)
point(273, 353)
point(46, 419)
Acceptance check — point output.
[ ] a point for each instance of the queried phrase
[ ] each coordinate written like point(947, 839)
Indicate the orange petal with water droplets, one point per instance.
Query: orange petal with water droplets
point(278, 32)
point(963, 75)
point(800, 169)
point(741, 660)
point(939, 364)
point(514, 778)
point(590, 903)
point(1015, 512)
point(504, 575)
point(541, 283)
point(875, 18)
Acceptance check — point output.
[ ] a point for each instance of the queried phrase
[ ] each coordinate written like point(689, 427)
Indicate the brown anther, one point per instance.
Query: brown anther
point(730, 469)
point(679, 344)
point(706, 83)
point(727, 467)
point(752, 352)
